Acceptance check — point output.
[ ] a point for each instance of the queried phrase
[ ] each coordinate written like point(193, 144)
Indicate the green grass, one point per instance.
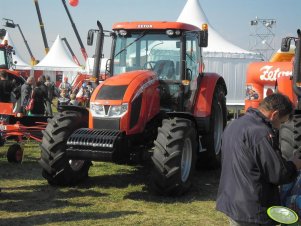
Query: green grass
point(112, 195)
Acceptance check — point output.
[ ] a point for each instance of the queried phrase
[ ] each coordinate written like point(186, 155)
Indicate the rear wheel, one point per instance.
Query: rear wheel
point(290, 137)
point(174, 157)
point(57, 168)
point(15, 153)
point(213, 140)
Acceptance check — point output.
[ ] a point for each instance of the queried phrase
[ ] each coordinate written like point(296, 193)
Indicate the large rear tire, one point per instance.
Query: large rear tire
point(57, 168)
point(213, 140)
point(174, 157)
point(290, 137)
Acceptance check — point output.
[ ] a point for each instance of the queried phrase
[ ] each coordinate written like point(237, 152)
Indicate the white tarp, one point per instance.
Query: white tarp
point(20, 65)
point(90, 65)
point(221, 56)
point(58, 60)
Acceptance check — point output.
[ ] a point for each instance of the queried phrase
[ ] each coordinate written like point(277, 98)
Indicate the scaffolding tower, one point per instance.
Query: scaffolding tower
point(262, 37)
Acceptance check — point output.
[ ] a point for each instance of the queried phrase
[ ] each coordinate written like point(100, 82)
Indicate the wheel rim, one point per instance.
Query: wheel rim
point(76, 165)
point(19, 155)
point(186, 160)
point(218, 129)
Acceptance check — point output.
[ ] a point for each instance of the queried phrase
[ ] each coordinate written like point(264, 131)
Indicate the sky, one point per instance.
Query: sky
point(231, 18)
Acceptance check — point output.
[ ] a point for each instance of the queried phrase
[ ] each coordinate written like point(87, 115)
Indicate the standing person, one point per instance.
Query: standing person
point(26, 91)
point(50, 94)
point(252, 164)
point(40, 98)
point(6, 87)
point(65, 85)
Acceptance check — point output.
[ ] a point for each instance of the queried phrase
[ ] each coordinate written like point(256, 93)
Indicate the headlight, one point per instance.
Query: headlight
point(117, 110)
point(97, 110)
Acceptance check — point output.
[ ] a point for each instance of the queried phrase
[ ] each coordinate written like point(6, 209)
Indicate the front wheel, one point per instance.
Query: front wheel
point(57, 168)
point(174, 157)
point(15, 153)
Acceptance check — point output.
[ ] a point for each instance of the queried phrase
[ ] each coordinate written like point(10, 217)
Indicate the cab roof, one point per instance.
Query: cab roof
point(154, 25)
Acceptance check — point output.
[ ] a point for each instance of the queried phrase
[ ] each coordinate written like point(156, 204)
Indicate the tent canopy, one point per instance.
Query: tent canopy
point(222, 56)
point(16, 57)
point(193, 13)
point(57, 59)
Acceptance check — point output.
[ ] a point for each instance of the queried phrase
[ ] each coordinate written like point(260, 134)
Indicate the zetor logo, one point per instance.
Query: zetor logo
point(269, 73)
point(145, 26)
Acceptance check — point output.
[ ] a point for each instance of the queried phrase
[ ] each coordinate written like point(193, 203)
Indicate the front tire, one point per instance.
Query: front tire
point(174, 157)
point(57, 168)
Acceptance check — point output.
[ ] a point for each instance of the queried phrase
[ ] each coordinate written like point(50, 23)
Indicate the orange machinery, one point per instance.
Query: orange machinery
point(156, 101)
point(264, 78)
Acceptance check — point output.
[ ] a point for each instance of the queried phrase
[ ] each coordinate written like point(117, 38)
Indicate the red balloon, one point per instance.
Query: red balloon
point(73, 2)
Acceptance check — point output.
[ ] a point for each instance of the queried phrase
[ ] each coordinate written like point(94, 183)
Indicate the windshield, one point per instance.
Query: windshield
point(3, 63)
point(153, 51)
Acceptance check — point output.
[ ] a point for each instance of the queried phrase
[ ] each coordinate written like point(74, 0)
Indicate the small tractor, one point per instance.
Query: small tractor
point(14, 126)
point(156, 102)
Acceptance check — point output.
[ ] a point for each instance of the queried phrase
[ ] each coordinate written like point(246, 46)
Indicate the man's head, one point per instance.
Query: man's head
point(47, 78)
point(65, 79)
point(277, 108)
point(30, 80)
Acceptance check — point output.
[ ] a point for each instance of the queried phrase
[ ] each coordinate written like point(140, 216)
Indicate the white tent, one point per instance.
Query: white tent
point(221, 56)
point(20, 63)
point(58, 60)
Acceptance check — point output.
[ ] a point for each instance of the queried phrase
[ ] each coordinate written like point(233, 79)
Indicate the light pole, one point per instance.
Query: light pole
point(82, 48)
point(10, 23)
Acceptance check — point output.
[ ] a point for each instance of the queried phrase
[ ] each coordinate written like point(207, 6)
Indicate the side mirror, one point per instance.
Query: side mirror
point(108, 67)
point(285, 44)
point(90, 37)
point(203, 38)
point(188, 75)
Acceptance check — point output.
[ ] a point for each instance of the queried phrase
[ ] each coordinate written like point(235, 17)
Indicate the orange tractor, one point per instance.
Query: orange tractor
point(13, 126)
point(156, 101)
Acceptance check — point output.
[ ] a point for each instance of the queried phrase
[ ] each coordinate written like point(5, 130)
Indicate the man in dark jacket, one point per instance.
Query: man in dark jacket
point(26, 91)
point(252, 165)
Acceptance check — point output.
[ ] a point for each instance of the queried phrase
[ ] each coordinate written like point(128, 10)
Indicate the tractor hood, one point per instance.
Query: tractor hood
point(124, 87)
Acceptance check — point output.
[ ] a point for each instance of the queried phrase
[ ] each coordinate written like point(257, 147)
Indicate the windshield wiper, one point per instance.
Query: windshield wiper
point(138, 38)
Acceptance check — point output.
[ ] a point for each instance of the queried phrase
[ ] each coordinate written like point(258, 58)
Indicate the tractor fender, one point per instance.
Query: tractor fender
point(203, 101)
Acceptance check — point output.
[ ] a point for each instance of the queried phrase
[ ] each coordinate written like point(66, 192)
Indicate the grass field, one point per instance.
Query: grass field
point(112, 195)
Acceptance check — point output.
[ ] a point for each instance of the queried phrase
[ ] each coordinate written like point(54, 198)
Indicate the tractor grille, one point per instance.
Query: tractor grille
point(106, 123)
point(94, 144)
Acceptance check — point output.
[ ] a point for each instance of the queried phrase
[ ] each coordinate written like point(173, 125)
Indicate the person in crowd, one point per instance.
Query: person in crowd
point(52, 92)
point(65, 85)
point(63, 99)
point(6, 87)
point(73, 100)
point(252, 164)
point(85, 93)
point(40, 98)
point(26, 93)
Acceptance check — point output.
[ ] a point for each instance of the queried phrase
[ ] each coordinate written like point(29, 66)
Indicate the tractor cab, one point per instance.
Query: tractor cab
point(6, 60)
point(171, 50)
